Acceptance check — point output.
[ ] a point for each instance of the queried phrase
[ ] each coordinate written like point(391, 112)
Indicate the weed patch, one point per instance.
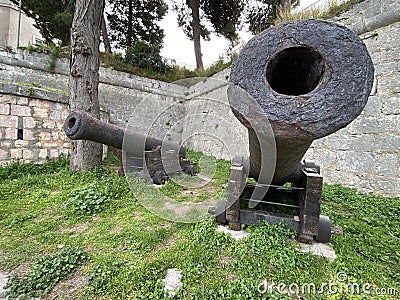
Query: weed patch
point(102, 276)
point(90, 200)
point(334, 9)
point(46, 272)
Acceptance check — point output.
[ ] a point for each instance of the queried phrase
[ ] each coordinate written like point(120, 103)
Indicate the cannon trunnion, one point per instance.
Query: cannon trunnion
point(307, 79)
point(142, 153)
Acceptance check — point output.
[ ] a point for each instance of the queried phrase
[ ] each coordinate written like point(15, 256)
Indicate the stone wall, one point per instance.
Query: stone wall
point(210, 125)
point(119, 92)
point(31, 128)
point(31, 124)
point(364, 155)
point(26, 76)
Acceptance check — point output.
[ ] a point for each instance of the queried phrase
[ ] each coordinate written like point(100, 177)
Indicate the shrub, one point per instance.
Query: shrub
point(145, 56)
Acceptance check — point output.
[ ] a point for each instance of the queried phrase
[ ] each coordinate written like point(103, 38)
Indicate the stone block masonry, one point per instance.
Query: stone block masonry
point(119, 92)
point(210, 125)
point(43, 111)
point(364, 155)
point(31, 129)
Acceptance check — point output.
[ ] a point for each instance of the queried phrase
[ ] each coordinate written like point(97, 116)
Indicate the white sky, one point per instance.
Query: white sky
point(178, 47)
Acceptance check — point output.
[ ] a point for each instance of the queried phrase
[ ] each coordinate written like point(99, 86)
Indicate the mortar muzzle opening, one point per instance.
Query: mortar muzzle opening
point(295, 71)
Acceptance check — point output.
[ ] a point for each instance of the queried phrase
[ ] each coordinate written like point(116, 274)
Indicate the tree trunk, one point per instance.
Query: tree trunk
point(84, 77)
point(104, 34)
point(284, 7)
point(130, 21)
point(194, 6)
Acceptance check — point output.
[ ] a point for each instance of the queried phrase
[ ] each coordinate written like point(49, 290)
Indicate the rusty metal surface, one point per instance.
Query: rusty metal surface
point(310, 79)
point(310, 202)
point(80, 125)
point(236, 183)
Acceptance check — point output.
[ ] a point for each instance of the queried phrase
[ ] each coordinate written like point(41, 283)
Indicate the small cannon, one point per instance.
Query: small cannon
point(80, 125)
point(308, 79)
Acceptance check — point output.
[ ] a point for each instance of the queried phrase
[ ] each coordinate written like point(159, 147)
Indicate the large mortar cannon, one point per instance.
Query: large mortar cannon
point(308, 79)
point(142, 152)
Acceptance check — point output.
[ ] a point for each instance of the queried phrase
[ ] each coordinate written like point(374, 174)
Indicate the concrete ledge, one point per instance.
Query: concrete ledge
point(370, 15)
point(32, 92)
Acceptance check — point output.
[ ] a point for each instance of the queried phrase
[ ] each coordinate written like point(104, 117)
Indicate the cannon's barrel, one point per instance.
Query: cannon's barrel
point(310, 78)
point(80, 125)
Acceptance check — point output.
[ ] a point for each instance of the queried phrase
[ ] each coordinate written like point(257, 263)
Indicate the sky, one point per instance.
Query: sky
point(179, 48)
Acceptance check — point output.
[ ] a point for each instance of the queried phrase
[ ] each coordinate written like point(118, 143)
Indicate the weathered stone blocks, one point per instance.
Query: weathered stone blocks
point(3, 155)
point(10, 133)
point(20, 110)
point(4, 109)
point(15, 153)
point(391, 105)
point(31, 129)
point(29, 122)
point(8, 121)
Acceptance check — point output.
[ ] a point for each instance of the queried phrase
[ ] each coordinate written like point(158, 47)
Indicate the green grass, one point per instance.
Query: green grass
point(130, 249)
point(334, 9)
point(207, 185)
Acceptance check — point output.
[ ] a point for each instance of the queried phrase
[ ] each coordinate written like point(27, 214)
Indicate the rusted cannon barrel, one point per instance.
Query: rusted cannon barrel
point(80, 125)
point(310, 79)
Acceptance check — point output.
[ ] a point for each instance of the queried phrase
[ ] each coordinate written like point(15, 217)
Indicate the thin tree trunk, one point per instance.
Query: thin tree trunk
point(104, 34)
point(130, 21)
point(284, 7)
point(194, 6)
point(84, 76)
